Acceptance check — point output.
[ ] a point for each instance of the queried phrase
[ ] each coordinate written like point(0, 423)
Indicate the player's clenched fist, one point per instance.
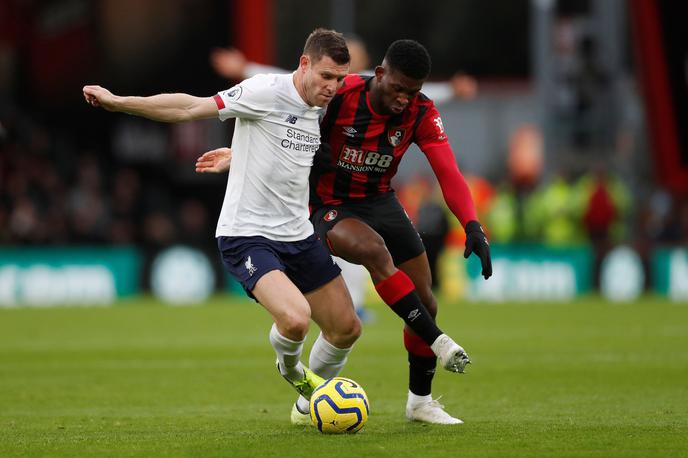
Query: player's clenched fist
point(98, 96)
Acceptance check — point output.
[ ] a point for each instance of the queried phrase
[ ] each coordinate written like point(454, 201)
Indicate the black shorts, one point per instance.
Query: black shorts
point(382, 213)
point(305, 262)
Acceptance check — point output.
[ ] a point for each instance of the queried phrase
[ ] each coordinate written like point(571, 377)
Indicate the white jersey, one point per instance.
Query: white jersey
point(275, 138)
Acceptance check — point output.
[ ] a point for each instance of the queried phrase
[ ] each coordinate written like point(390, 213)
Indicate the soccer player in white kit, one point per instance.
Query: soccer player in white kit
point(264, 234)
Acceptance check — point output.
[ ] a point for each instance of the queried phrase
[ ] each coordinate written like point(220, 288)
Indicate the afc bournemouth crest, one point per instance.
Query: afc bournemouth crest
point(395, 136)
point(330, 215)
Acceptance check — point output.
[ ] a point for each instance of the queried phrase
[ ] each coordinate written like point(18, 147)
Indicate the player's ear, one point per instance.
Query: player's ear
point(379, 72)
point(304, 63)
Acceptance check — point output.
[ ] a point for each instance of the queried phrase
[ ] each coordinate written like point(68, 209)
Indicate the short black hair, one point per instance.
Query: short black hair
point(323, 42)
point(410, 58)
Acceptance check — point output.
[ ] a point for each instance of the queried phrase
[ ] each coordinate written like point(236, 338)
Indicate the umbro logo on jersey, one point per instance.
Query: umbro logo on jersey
point(395, 136)
point(291, 119)
point(349, 131)
point(250, 267)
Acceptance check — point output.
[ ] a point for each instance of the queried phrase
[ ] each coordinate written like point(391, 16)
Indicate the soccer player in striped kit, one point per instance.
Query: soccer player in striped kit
point(366, 130)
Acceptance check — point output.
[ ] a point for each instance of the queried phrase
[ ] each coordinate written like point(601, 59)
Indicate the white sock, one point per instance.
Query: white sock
point(325, 360)
point(288, 354)
point(414, 400)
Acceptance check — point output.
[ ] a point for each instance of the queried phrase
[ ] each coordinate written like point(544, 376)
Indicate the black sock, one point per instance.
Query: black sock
point(417, 317)
point(421, 372)
point(399, 292)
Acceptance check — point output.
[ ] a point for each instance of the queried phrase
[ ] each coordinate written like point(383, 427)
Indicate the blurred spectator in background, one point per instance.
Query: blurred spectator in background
point(231, 64)
point(159, 230)
point(89, 216)
point(660, 220)
point(432, 224)
point(426, 208)
point(666, 219)
point(603, 205)
point(553, 210)
point(512, 215)
point(127, 210)
point(193, 224)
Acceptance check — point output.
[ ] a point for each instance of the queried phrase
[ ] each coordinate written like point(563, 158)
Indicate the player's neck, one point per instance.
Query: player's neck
point(298, 84)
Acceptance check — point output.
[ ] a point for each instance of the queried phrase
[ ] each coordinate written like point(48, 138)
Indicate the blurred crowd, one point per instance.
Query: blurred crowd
point(90, 197)
point(56, 191)
point(592, 207)
point(86, 196)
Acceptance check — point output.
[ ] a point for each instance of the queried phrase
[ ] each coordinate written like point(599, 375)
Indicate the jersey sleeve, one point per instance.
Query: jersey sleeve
point(253, 98)
point(430, 130)
point(432, 140)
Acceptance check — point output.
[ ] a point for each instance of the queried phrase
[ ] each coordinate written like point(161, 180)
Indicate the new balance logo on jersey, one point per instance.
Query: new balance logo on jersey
point(415, 313)
point(349, 131)
point(250, 267)
point(291, 119)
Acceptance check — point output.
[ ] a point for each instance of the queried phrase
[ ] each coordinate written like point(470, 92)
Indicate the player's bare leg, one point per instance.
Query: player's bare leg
point(355, 241)
point(287, 305)
point(333, 311)
point(291, 314)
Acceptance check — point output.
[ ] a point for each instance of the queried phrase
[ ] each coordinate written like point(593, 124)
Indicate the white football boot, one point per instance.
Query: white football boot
point(430, 412)
point(451, 355)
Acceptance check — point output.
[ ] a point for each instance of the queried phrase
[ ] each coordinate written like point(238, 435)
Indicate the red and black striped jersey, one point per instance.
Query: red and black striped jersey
point(360, 150)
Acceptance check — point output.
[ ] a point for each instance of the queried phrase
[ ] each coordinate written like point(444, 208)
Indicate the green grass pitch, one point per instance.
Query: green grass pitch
point(140, 379)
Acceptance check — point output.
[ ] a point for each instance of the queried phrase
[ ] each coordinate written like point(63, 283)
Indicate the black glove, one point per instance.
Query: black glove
point(476, 242)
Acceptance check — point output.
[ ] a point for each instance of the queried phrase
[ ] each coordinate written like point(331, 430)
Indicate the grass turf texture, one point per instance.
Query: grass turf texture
point(140, 379)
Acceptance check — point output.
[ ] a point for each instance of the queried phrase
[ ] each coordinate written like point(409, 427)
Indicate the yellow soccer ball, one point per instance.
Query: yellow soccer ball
point(339, 406)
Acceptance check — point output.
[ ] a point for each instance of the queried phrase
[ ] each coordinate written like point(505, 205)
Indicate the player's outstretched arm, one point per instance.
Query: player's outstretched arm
point(161, 107)
point(458, 197)
point(215, 161)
